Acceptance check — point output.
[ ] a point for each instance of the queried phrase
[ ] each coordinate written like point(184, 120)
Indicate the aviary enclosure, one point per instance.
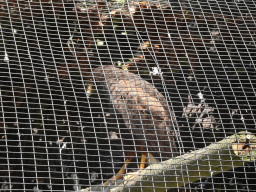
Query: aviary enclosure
point(127, 95)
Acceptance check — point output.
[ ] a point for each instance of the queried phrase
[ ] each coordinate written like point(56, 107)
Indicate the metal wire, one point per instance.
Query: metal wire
point(60, 126)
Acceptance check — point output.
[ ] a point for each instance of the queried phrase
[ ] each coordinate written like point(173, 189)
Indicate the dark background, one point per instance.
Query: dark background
point(54, 132)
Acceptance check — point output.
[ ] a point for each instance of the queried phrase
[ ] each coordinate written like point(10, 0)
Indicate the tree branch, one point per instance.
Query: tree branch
point(227, 154)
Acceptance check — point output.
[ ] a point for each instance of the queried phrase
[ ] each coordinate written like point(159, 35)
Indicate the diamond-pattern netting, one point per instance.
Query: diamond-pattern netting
point(174, 77)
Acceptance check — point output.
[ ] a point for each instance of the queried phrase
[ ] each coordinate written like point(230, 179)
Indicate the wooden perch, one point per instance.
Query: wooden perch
point(227, 154)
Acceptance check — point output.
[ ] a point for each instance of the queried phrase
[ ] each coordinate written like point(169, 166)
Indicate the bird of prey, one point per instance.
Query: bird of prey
point(144, 111)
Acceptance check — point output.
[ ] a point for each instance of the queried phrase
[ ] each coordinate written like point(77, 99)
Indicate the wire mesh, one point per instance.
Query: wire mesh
point(88, 85)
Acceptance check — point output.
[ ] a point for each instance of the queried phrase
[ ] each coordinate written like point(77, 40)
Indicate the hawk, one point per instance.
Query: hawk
point(144, 111)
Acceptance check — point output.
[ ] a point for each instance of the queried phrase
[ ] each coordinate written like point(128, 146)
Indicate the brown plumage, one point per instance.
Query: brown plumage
point(143, 110)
